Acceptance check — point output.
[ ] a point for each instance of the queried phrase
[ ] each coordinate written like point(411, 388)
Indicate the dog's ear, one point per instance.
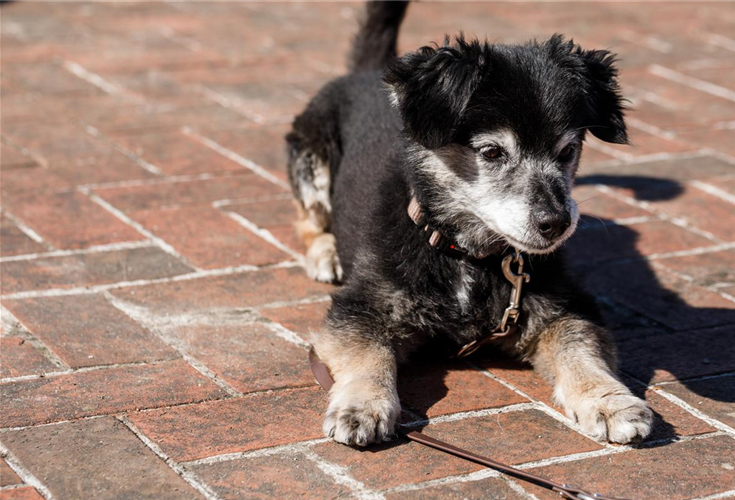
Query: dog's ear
point(604, 102)
point(432, 88)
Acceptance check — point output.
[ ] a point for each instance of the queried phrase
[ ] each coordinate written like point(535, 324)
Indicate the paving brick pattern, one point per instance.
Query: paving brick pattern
point(155, 314)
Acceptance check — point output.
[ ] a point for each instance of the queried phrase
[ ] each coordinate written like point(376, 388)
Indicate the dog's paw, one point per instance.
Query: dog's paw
point(618, 418)
point(322, 262)
point(359, 414)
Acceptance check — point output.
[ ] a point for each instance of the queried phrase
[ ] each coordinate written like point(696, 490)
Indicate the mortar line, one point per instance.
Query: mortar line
point(28, 231)
point(263, 234)
point(182, 472)
point(227, 153)
point(718, 496)
point(227, 271)
point(98, 81)
point(691, 82)
point(148, 167)
point(651, 208)
point(687, 407)
point(125, 245)
point(11, 325)
point(138, 227)
point(340, 475)
point(174, 344)
point(259, 453)
point(714, 191)
point(24, 474)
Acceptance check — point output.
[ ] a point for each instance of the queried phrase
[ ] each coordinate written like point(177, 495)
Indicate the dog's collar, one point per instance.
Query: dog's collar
point(436, 239)
point(509, 324)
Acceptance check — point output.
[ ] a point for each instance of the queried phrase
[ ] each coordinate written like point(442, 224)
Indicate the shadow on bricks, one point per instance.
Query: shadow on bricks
point(668, 328)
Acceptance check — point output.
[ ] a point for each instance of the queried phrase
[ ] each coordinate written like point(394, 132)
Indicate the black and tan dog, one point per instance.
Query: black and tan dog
point(479, 143)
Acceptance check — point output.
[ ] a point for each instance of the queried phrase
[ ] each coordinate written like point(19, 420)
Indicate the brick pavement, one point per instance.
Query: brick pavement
point(155, 316)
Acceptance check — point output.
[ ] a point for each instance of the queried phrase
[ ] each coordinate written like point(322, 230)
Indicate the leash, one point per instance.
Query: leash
point(324, 378)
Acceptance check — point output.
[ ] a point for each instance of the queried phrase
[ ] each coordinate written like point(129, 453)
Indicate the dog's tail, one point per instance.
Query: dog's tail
point(375, 43)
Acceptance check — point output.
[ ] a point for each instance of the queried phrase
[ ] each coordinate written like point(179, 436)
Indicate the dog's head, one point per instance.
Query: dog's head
point(497, 134)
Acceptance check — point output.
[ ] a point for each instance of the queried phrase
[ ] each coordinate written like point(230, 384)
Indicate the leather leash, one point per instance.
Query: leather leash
point(324, 378)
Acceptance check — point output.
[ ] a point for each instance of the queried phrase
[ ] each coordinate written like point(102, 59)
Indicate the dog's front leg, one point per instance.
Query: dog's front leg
point(363, 403)
point(579, 358)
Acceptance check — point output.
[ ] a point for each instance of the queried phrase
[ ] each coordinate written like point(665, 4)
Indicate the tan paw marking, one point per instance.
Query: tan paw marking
point(618, 418)
point(360, 413)
point(322, 262)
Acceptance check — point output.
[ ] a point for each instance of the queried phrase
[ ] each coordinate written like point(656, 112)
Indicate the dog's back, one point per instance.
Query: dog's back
point(341, 143)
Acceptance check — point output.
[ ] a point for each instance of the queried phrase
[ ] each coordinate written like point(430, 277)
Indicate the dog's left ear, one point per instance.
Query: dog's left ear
point(432, 88)
point(604, 102)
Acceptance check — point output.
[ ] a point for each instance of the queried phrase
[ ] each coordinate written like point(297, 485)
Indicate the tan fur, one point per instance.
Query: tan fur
point(578, 358)
point(363, 403)
point(322, 262)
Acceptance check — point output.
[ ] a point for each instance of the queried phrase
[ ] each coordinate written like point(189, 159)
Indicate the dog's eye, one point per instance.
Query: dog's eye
point(492, 153)
point(567, 153)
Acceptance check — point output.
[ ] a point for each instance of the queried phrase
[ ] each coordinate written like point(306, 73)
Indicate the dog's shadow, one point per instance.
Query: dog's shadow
point(605, 259)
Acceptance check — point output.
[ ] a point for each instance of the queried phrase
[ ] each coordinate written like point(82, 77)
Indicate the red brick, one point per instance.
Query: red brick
point(197, 192)
point(18, 358)
point(676, 471)
point(168, 116)
point(208, 238)
point(96, 268)
point(713, 397)
point(657, 175)
point(265, 102)
point(277, 216)
point(50, 79)
point(272, 476)
point(267, 214)
point(434, 388)
point(701, 210)
point(95, 458)
point(707, 268)
point(513, 437)
point(289, 237)
point(263, 145)
point(11, 157)
point(680, 355)
point(594, 203)
point(661, 296)
point(611, 243)
point(301, 318)
point(247, 289)
point(719, 140)
point(102, 391)
point(13, 241)
point(86, 330)
point(70, 220)
point(65, 176)
point(249, 357)
point(494, 488)
point(176, 154)
point(7, 476)
point(66, 144)
point(259, 421)
point(643, 143)
point(25, 493)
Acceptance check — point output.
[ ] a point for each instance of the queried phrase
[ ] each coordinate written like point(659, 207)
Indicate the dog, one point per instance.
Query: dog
point(415, 178)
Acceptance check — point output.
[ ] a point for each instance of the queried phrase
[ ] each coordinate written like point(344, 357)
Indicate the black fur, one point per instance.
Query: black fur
point(398, 290)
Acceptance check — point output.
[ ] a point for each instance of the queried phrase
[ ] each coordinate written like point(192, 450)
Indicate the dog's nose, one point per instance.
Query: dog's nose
point(553, 225)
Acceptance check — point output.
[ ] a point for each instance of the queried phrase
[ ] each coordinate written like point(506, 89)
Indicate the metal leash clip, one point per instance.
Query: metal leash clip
point(517, 279)
point(508, 324)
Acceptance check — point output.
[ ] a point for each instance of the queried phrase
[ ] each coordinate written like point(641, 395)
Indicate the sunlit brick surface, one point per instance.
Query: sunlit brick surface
point(156, 316)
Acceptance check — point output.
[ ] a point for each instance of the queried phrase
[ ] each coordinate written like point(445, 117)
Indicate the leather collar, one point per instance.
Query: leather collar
point(436, 239)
